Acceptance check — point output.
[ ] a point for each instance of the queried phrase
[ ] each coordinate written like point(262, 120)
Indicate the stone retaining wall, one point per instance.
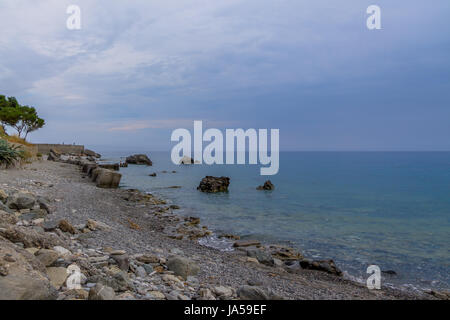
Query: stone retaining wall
point(62, 148)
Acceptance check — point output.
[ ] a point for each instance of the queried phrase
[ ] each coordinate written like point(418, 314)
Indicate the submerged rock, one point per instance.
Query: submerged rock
point(214, 184)
point(321, 265)
point(139, 159)
point(268, 185)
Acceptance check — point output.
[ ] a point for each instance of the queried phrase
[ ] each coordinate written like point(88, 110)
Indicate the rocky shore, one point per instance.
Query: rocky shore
point(128, 245)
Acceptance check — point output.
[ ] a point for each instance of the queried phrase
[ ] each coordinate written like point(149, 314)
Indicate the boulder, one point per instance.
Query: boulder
point(91, 153)
point(214, 184)
point(268, 185)
point(110, 166)
point(182, 267)
point(122, 261)
point(321, 265)
point(260, 255)
point(47, 257)
point(30, 237)
point(57, 276)
point(87, 167)
point(101, 292)
point(22, 277)
point(53, 155)
point(105, 178)
point(21, 200)
point(139, 159)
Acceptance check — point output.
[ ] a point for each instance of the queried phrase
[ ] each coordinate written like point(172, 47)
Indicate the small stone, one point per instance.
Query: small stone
point(50, 225)
point(117, 252)
point(140, 272)
point(65, 226)
point(148, 268)
point(222, 291)
point(158, 295)
point(146, 258)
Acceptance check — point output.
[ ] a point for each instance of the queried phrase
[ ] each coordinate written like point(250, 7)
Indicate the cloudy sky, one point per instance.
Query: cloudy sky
point(140, 68)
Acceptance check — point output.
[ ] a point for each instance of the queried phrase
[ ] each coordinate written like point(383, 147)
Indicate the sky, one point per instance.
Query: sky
point(138, 69)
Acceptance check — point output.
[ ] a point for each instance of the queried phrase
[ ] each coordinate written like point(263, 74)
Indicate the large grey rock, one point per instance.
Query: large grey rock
point(214, 184)
point(260, 255)
point(101, 292)
point(22, 277)
point(139, 159)
point(21, 200)
point(182, 266)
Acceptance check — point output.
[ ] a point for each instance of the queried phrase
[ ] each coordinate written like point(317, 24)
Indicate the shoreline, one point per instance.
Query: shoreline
point(147, 225)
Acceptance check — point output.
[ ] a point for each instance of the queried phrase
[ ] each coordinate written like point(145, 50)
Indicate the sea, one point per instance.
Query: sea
point(390, 209)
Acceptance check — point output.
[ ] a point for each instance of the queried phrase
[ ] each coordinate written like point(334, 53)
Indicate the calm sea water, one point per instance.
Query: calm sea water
point(391, 209)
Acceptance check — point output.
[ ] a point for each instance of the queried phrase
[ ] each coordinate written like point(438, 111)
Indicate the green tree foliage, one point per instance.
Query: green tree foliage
point(24, 119)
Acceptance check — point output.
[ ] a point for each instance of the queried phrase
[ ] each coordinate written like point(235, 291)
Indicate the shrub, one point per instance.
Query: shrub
point(9, 154)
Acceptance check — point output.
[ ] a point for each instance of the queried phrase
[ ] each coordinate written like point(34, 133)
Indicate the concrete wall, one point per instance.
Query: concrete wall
point(63, 148)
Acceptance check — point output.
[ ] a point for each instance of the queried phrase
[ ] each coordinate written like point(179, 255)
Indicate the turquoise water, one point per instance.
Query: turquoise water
point(391, 209)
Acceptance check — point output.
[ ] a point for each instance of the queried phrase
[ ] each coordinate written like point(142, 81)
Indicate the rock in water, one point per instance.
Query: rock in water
point(321, 265)
point(182, 266)
point(214, 184)
point(101, 292)
point(268, 185)
point(139, 159)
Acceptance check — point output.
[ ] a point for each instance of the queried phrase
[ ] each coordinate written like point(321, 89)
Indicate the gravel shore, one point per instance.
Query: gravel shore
point(137, 228)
